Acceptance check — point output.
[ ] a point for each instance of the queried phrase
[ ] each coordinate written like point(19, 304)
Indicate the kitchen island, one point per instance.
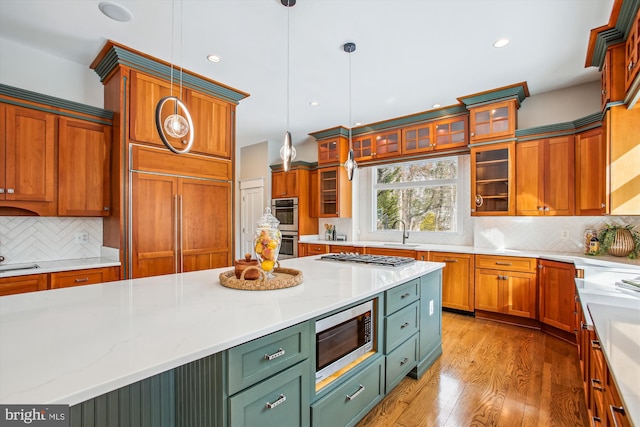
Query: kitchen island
point(75, 345)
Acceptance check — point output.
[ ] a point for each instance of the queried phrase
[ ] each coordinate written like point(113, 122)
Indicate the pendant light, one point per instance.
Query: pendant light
point(350, 165)
point(287, 151)
point(178, 124)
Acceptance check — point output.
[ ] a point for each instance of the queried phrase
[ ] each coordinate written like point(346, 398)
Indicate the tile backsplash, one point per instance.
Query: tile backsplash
point(557, 234)
point(31, 239)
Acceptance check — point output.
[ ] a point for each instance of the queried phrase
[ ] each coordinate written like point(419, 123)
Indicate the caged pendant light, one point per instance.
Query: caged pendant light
point(178, 124)
point(287, 151)
point(350, 164)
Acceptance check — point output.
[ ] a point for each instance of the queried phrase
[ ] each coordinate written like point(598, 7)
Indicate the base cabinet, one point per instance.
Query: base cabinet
point(557, 295)
point(21, 284)
point(347, 404)
point(458, 288)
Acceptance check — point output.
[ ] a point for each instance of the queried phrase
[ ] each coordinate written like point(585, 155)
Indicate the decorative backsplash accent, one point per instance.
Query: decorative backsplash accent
point(32, 239)
point(556, 234)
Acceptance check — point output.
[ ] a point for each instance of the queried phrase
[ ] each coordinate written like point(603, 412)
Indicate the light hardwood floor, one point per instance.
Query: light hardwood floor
point(490, 374)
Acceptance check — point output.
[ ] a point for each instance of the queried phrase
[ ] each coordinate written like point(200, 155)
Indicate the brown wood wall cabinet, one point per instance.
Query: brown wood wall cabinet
point(545, 177)
point(54, 159)
point(285, 184)
point(612, 78)
point(493, 121)
point(334, 193)
point(632, 53)
point(43, 281)
point(590, 173)
point(300, 182)
point(492, 179)
point(196, 225)
point(333, 150)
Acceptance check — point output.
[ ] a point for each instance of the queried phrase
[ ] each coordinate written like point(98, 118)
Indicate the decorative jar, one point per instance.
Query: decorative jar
point(622, 244)
point(267, 242)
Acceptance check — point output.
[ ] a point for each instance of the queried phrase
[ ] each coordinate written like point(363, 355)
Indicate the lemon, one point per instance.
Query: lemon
point(258, 248)
point(267, 265)
point(273, 244)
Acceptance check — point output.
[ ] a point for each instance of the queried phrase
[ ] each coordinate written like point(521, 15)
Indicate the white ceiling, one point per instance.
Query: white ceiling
point(410, 54)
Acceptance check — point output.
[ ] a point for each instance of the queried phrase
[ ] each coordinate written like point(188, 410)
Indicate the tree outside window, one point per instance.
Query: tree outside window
point(423, 194)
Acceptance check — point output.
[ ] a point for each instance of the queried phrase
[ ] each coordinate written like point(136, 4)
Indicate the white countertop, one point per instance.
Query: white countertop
point(618, 330)
point(69, 345)
point(579, 259)
point(61, 265)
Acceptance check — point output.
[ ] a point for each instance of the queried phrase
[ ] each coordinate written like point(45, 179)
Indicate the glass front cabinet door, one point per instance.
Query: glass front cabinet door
point(493, 121)
point(492, 179)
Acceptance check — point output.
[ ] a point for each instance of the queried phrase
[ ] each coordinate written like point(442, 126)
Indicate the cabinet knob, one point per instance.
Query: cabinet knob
point(106, 208)
point(604, 92)
point(631, 65)
point(1, 190)
point(603, 205)
point(10, 191)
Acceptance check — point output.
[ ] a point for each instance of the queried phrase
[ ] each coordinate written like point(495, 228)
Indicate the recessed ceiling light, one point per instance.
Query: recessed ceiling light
point(214, 58)
point(115, 11)
point(314, 103)
point(357, 124)
point(436, 105)
point(501, 43)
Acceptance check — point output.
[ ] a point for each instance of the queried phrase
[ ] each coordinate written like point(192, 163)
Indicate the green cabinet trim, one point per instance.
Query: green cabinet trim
point(610, 36)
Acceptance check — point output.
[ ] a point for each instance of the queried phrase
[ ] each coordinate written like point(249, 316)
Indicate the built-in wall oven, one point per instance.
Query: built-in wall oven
point(342, 339)
point(289, 245)
point(286, 211)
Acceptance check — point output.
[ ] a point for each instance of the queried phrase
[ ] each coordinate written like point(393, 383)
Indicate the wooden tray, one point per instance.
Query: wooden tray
point(284, 278)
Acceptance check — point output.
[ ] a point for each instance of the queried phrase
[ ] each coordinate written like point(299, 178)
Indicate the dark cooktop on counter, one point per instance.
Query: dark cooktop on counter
point(383, 260)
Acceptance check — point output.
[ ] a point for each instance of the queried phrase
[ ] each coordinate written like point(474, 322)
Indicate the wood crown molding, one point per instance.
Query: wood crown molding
point(615, 31)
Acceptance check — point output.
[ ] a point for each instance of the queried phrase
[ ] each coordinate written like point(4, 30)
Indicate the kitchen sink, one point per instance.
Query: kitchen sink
point(403, 245)
point(16, 267)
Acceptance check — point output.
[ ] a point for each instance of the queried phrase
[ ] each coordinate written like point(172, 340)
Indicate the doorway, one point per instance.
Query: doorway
point(251, 209)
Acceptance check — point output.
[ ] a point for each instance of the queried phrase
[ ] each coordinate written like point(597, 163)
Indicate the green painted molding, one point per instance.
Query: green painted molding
point(617, 34)
point(519, 91)
point(52, 101)
point(331, 133)
point(560, 129)
point(398, 122)
point(117, 56)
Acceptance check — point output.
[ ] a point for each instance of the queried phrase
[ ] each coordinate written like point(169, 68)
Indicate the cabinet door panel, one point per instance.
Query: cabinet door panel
point(146, 92)
point(590, 175)
point(530, 178)
point(212, 125)
point(559, 176)
point(155, 209)
point(205, 212)
point(488, 291)
point(457, 280)
point(30, 155)
point(83, 168)
point(557, 291)
point(520, 294)
point(21, 284)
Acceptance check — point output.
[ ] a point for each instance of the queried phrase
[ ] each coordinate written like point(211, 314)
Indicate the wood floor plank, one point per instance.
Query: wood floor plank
point(490, 374)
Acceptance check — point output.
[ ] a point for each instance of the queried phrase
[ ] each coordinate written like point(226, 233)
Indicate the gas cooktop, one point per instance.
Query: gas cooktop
point(383, 260)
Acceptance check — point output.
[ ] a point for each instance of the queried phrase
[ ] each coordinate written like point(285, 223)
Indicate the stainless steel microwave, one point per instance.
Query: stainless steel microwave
point(343, 338)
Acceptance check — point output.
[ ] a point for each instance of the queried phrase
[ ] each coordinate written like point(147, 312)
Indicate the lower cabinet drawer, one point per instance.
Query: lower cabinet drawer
point(401, 296)
point(282, 400)
point(89, 276)
point(351, 401)
point(400, 326)
point(400, 361)
point(259, 359)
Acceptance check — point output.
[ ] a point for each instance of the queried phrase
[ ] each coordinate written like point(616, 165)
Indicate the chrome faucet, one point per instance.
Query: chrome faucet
point(1, 258)
point(405, 233)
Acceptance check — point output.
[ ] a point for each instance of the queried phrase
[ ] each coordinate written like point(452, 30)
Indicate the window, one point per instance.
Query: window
point(423, 194)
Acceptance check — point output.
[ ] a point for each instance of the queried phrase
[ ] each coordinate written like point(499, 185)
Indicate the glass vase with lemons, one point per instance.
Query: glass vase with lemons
point(267, 242)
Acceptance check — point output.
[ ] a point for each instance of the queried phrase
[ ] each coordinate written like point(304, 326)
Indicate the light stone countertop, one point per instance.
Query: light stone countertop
point(618, 330)
point(69, 345)
point(60, 265)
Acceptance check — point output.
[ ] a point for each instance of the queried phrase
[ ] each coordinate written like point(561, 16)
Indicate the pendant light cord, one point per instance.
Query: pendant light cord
point(173, 14)
point(350, 120)
point(288, 61)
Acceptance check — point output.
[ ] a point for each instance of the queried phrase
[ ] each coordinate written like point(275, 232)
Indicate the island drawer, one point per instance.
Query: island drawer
point(282, 400)
point(401, 296)
point(400, 361)
point(266, 356)
point(400, 326)
point(89, 276)
point(506, 263)
point(315, 249)
point(349, 402)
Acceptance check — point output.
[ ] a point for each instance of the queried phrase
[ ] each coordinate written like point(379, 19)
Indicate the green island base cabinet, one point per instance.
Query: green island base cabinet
point(270, 381)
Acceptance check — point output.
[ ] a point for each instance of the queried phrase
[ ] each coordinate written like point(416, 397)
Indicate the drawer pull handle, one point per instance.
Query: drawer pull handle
point(405, 360)
point(406, 294)
point(85, 279)
point(450, 260)
point(275, 355)
point(502, 263)
point(404, 325)
point(595, 384)
point(614, 409)
point(280, 400)
point(354, 395)
point(596, 345)
point(595, 420)
point(583, 325)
